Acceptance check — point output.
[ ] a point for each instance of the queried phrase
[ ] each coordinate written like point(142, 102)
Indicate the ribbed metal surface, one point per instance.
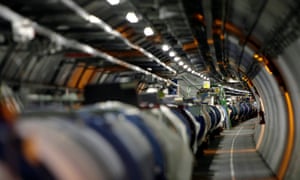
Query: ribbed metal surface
point(232, 155)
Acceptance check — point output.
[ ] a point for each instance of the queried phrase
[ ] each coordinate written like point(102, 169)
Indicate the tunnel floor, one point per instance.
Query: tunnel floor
point(232, 155)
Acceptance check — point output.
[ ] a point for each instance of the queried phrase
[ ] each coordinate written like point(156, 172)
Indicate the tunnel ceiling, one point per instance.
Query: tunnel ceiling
point(216, 38)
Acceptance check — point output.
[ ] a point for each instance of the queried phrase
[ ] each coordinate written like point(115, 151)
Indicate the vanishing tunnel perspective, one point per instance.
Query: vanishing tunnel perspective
point(149, 89)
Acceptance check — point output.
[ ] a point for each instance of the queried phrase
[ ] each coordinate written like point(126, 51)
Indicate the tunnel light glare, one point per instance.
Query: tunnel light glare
point(176, 59)
point(172, 54)
point(268, 70)
point(165, 47)
point(94, 19)
point(108, 29)
point(148, 31)
point(132, 18)
point(185, 66)
point(113, 2)
point(189, 69)
point(256, 56)
point(181, 63)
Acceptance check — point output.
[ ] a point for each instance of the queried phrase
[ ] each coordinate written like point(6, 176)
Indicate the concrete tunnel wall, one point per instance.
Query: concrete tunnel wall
point(273, 142)
point(289, 65)
point(279, 139)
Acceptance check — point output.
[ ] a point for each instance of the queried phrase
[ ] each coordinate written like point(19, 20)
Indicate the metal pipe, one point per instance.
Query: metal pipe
point(13, 17)
point(107, 28)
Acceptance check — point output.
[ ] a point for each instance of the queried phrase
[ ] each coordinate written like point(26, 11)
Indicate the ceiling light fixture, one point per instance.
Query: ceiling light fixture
point(172, 54)
point(113, 2)
point(181, 63)
point(165, 47)
point(176, 59)
point(189, 69)
point(185, 66)
point(148, 31)
point(132, 18)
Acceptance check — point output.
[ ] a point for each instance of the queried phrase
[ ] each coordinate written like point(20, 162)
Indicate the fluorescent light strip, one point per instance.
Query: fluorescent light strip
point(113, 2)
point(165, 47)
point(172, 54)
point(148, 31)
point(101, 24)
point(131, 17)
point(198, 74)
point(176, 59)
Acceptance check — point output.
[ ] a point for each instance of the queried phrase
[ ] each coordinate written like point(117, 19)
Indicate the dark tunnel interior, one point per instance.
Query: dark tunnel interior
point(184, 59)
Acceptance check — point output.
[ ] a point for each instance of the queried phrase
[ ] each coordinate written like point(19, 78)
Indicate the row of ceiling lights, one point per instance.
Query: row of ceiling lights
point(133, 18)
point(100, 23)
point(177, 59)
point(148, 31)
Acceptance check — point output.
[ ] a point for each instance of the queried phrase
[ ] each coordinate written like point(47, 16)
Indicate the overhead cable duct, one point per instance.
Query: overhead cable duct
point(32, 27)
point(199, 31)
point(258, 15)
point(107, 28)
point(217, 11)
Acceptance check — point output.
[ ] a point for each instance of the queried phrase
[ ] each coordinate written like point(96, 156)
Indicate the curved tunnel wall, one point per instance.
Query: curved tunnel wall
point(289, 64)
point(273, 143)
point(279, 145)
point(281, 140)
